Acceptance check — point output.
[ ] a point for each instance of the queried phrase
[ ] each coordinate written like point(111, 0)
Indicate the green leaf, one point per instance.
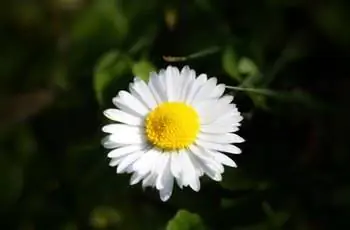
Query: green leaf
point(247, 66)
point(111, 66)
point(102, 217)
point(101, 14)
point(142, 69)
point(185, 220)
point(229, 63)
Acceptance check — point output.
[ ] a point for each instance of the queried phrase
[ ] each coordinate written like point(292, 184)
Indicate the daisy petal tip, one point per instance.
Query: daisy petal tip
point(231, 164)
point(133, 181)
point(122, 93)
point(164, 197)
point(159, 186)
point(217, 177)
point(196, 188)
point(239, 139)
point(104, 141)
point(104, 129)
point(235, 150)
point(120, 169)
point(107, 113)
point(238, 152)
point(171, 67)
point(137, 79)
point(111, 155)
point(186, 68)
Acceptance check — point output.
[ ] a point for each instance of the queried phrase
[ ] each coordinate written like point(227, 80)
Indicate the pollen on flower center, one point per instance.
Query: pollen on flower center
point(172, 125)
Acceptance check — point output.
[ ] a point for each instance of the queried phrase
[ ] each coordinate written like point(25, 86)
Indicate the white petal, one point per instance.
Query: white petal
point(178, 168)
point(218, 91)
point(171, 79)
point(128, 138)
point(161, 80)
point(115, 128)
point(146, 162)
point(226, 138)
point(167, 181)
point(161, 165)
point(194, 87)
point(141, 90)
point(232, 117)
point(123, 117)
point(129, 103)
point(178, 85)
point(136, 178)
point(109, 144)
point(189, 176)
point(189, 78)
point(149, 180)
point(128, 160)
point(175, 164)
point(228, 148)
point(167, 191)
point(179, 182)
point(209, 171)
point(223, 159)
point(233, 120)
point(218, 129)
point(207, 159)
point(211, 110)
point(115, 161)
point(156, 87)
point(205, 90)
point(196, 165)
point(207, 111)
point(227, 99)
point(155, 168)
point(122, 151)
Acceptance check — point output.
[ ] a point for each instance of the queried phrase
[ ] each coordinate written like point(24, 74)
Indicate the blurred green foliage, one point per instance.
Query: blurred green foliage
point(185, 220)
point(61, 62)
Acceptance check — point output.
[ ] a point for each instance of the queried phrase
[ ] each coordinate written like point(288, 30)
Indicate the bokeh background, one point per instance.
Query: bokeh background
point(61, 62)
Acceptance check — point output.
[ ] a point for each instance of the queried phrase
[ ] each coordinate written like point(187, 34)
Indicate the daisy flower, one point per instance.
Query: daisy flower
point(176, 127)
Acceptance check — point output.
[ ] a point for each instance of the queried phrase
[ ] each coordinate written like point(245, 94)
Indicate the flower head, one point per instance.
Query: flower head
point(176, 127)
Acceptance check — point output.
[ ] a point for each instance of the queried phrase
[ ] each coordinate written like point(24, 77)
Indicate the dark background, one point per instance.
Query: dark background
point(61, 62)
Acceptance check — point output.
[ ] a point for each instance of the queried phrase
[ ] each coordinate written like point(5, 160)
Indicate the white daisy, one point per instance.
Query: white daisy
point(175, 127)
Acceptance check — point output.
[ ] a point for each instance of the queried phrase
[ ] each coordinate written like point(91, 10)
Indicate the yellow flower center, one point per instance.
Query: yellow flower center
point(172, 126)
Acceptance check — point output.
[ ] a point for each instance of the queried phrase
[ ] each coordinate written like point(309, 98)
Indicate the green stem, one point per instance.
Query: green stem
point(253, 90)
point(199, 54)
